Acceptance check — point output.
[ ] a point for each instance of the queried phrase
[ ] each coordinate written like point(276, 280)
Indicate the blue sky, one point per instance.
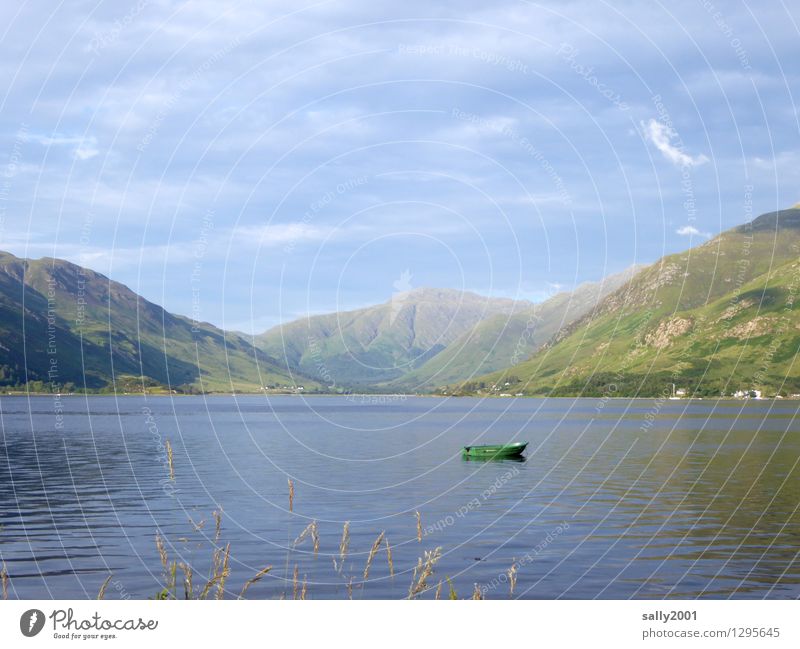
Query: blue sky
point(251, 162)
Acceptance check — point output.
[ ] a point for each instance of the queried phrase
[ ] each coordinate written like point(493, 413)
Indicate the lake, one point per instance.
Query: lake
point(615, 499)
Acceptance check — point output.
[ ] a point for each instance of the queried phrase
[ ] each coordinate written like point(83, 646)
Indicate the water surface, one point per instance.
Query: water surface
point(616, 499)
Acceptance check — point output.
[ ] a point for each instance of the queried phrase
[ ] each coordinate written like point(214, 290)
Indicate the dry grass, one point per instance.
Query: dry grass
point(217, 514)
point(102, 592)
point(162, 550)
point(344, 544)
point(221, 566)
point(512, 578)
point(422, 571)
point(373, 551)
point(188, 589)
point(225, 572)
point(169, 461)
point(259, 575)
point(389, 557)
point(311, 530)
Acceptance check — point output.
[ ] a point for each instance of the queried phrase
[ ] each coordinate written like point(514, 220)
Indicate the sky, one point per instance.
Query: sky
point(247, 163)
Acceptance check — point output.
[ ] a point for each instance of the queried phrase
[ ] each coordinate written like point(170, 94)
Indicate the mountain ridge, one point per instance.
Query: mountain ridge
point(696, 318)
point(70, 327)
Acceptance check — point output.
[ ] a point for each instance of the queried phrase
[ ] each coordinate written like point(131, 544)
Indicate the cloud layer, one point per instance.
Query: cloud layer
point(302, 156)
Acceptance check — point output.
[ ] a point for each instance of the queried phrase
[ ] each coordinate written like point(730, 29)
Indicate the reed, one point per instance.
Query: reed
point(389, 557)
point(423, 570)
point(258, 577)
point(291, 496)
point(419, 527)
point(305, 584)
point(373, 551)
point(102, 592)
point(294, 581)
point(4, 580)
point(438, 591)
point(476, 593)
point(169, 461)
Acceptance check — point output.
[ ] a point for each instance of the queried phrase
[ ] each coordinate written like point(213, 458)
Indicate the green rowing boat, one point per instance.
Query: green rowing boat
point(495, 450)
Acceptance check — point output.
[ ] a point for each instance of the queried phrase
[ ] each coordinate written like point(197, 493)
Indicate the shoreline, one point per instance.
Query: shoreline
point(376, 396)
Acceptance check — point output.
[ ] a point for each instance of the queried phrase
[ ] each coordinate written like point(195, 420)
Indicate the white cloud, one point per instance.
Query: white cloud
point(279, 234)
point(691, 231)
point(661, 136)
point(84, 147)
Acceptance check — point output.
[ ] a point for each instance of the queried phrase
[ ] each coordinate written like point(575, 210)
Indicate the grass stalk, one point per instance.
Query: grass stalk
point(373, 551)
point(217, 514)
point(188, 589)
point(4, 580)
point(258, 577)
point(102, 592)
point(423, 570)
point(225, 572)
point(169, 461)
point(389, 557)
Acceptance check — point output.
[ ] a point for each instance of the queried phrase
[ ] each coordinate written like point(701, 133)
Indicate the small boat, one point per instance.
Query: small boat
point(495, 450)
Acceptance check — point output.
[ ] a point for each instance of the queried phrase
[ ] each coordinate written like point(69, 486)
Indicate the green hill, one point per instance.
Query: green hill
point(505, 339)
point(370, 346)
point(64, 327)
point(716, 319)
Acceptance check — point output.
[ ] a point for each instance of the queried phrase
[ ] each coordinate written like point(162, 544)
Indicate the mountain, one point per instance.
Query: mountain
point(381, 343)
point(63, 326)
point(716, 319)
point(505, 339)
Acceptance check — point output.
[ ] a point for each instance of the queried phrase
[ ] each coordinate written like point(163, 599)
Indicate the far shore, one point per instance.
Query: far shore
point(378, 396)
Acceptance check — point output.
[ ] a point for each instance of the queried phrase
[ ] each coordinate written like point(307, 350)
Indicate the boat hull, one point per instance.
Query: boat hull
point(490, 451)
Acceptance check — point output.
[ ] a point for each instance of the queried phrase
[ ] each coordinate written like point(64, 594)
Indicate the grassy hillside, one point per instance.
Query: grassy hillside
point(718, 318)
point(68, 327)
point(381, 343)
